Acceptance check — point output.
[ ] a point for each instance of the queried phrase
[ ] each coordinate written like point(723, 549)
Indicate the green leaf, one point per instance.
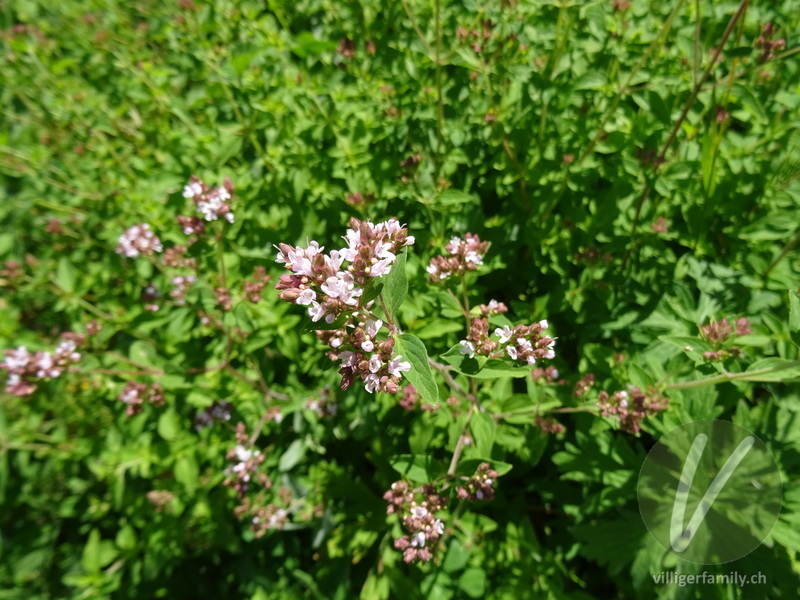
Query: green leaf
point(413, 350)
point(65, 275)
point(420, 468)
point(169, 425)
point(481, 368)
point(293, 455)
point(91, 552)
point(794, 313)
point(780, 369)
point(482, 426)
point(473, 582)
point(693, 347)
point(373, 288)
point(455, 198)
point(395, 285)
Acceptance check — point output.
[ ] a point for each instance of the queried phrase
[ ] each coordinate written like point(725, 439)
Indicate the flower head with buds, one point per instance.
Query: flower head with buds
point(138, 239)
point(212, 203)
point(464, 255)
point(332, 286)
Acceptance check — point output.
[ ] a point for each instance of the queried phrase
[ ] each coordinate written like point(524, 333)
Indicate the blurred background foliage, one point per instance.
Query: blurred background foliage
point(632, 189)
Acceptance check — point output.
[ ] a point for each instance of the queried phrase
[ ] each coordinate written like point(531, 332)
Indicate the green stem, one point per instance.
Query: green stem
point(725, 376)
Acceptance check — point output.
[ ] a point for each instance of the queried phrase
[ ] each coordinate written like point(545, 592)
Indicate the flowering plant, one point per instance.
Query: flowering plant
point(444, 274)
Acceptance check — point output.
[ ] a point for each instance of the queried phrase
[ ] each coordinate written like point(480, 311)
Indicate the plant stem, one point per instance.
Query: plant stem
point(725, 376)
point(693, 96)
point(444, 370)
point(451, 471)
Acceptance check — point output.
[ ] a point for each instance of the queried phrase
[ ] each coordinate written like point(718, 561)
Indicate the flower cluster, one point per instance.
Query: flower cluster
point(149, 295)
point(370, 360)
point(224, 300)
point(332, 291)
point(135, 394)
point(548, 425)
point(424, 529)
point(547, 375)
point(769, 47)
point(11, 272)
point(523, 343)
point(493, 308)
point(218, 411)
point(464, 255)
point(25, 368)
point(181, 283)
point(411, 399)
point(480, 485)
point(192, 226)
point(246, 462)
point(583, 385)
point(321, 282)
point(324, 404)
point(212, 203)
point(631, 406)
point(267, 518)
point(718, 332)
point(176, 257)
point(252, 289)
point(138, 239)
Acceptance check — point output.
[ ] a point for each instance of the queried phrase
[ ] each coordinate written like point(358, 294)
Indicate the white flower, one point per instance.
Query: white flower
point(367, 346)
point(467, 348)
point(306, 297)
point(192, 189)
point(438, 526)
point(222, 194)
point(381, 268)
point(432, 269)
point(348, 358)
point(342, 286)
point(419, 512)
point(473, 257)
point(243, 454)
point(372, 327)
point(315, 311)
point(375, 364)
point(371, 382)
point(504, 333)
point(543, 324)
point(18, 359)
point(418, 540)
point(396, 367)
point(512, 352)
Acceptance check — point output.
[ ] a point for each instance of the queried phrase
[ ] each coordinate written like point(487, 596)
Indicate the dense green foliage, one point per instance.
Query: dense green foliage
point(632, 188)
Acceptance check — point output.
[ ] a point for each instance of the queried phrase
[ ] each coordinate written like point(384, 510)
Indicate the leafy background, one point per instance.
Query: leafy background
point(553, 140)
